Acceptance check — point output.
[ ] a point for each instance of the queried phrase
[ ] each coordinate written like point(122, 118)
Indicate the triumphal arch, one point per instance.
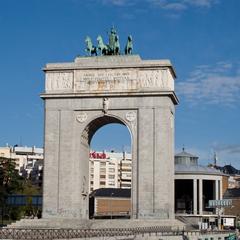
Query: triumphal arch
point(82, 96)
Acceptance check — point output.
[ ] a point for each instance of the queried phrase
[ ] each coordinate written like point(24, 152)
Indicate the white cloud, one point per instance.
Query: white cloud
point(231, 148)
point(179, 5)
point(119, 2)
point(201, 3)
point(175, 5)
point(212, 85)
point(228, 154)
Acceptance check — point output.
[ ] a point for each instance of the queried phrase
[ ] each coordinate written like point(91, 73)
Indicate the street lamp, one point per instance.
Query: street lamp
point(219, 212)
point(111, 212)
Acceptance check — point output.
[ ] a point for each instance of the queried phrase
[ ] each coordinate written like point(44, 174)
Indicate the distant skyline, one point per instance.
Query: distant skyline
point(200, 37)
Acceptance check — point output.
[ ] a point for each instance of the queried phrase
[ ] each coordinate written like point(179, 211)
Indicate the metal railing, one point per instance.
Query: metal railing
point(27, 233)
point(20, 233)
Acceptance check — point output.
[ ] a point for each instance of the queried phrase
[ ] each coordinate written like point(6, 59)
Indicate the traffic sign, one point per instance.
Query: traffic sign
point(220, 203)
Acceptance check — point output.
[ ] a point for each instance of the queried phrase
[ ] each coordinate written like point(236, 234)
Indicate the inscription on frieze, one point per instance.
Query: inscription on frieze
point(105, 80)
point(116, 80)
point(109, 80)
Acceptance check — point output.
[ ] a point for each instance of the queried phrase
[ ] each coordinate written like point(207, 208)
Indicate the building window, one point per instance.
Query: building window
point(111, 169)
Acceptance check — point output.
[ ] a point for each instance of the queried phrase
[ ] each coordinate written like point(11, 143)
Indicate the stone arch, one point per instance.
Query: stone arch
point(99, 121)
point(95, 122)
point(88, 93)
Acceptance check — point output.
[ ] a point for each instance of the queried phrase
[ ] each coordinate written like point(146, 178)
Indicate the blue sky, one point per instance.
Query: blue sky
point(200, 37)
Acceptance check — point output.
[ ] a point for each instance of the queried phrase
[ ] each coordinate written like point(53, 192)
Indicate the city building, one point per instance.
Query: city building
point(109, 170)
point(8, 152)
point(234, 195)
point(234, 175)
point(195, 185)
point(125, 171)
point(29, 161)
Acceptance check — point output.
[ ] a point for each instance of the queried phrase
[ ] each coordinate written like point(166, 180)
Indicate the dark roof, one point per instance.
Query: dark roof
point(112, 192)
point(232, 193)
point(228, 169)
point(183, 168)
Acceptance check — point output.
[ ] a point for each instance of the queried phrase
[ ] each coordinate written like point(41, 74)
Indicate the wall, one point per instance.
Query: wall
point(112, 206)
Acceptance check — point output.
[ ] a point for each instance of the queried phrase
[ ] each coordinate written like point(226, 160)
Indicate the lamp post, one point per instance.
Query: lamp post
point(219, 218)
point(2, 215)
point(111, 212)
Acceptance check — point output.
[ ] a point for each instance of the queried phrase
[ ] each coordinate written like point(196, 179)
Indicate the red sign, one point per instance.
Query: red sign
point(97, 155)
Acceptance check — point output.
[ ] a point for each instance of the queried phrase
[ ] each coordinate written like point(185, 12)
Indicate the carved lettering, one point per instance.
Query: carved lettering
point(109, 80)
point(105, 80)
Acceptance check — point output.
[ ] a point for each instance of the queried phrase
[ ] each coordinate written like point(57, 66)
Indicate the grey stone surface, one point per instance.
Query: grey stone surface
point(168, 225)
point(82, 96)
point(97, 224)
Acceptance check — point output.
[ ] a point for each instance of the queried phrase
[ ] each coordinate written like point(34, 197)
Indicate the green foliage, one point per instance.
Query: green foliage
point(10, 180)
point(29, 189)
point(29, 209)
point(12, 183)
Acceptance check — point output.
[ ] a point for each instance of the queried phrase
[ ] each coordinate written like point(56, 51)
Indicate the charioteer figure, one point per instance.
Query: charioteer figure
point(112, 48)
point(114, 45)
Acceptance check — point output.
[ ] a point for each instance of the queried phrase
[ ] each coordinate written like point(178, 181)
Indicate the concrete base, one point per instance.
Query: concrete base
point(166, 225)
point(96, 224)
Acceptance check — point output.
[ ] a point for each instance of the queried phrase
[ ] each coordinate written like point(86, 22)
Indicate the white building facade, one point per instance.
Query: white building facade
point(109, 170)
point(29, 161)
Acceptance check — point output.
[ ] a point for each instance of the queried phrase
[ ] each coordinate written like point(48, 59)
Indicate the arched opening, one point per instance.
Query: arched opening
point(110, 167)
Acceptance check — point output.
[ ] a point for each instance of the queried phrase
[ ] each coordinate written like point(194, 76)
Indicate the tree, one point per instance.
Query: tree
point(10, 180)
point(12, 183)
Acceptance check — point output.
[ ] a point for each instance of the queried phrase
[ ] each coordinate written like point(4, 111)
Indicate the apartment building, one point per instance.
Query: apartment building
point(29, 161)
point(109, 170)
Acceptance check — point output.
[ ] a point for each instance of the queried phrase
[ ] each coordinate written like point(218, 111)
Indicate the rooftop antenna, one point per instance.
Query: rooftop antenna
point(215, 159)
point(124, 152)
point(183, 148)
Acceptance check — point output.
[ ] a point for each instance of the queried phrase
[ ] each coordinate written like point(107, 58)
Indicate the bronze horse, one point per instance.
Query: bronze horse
point(90, 48)
point(129, 46)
